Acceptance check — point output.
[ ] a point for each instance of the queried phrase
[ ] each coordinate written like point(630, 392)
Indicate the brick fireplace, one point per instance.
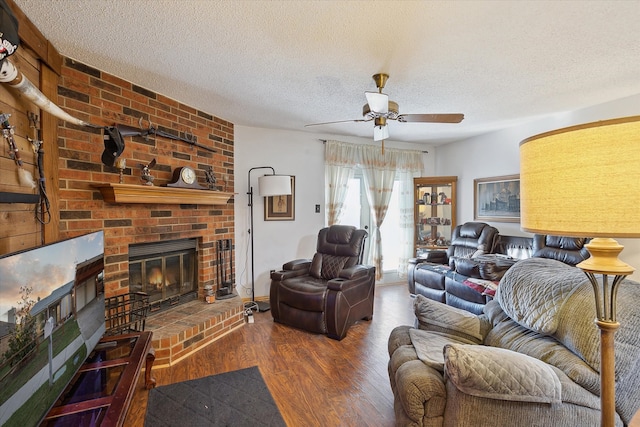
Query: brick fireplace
point(166, 271)
point(100, 98)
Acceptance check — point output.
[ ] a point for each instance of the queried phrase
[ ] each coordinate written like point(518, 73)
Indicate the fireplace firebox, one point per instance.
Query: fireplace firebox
point(166, 271)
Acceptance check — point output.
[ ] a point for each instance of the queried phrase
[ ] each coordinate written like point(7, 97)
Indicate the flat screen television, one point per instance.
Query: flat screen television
point(51, 318)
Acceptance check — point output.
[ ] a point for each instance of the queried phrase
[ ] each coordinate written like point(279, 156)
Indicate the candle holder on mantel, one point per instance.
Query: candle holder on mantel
point(121, 165)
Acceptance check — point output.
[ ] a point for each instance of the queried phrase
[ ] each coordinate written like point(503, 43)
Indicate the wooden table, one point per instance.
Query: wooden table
point(101, 391)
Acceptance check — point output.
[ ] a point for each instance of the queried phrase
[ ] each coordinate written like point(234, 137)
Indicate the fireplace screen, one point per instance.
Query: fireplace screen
point(165, 271)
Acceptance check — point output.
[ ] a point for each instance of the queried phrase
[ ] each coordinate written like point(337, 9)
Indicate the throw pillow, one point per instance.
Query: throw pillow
point(332, 265)
point(496, 373)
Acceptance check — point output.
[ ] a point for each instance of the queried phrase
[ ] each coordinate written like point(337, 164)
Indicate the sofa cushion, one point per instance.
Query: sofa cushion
point(570, 250)
point(436, 316)
point(484, 266)
point(468, 267)
point(496, 373)
point(493, 267)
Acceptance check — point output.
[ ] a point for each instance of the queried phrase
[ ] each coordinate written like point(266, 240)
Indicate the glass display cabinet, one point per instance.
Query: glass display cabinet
point(434, 213)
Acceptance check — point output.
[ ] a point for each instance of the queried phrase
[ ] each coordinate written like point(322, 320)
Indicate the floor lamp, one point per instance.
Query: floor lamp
point(584, 181)
point(268, 185)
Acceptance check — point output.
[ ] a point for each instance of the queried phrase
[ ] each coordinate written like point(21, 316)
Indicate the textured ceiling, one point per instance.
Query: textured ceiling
point(284, 64)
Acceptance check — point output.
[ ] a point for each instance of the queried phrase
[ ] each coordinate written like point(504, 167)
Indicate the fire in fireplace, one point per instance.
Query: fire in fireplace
point(166, 271)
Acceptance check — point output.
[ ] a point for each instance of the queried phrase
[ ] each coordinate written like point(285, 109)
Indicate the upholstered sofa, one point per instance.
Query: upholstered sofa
point(468, 276)
point(531, 359)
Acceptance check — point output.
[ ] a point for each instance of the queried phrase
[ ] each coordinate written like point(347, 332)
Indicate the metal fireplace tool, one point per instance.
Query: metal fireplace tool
point(225, 269)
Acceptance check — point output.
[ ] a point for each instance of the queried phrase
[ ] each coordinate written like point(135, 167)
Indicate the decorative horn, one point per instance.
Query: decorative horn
point(10, 74)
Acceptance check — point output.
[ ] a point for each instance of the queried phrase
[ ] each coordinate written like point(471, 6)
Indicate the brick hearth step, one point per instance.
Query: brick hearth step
point(180, 331)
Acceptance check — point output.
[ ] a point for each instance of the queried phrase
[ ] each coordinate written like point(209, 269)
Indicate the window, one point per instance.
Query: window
point(357, 212)
point(390, 231)
point(354, 203)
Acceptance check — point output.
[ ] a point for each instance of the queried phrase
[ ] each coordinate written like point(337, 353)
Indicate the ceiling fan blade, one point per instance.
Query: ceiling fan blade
point(338, 121)
point(380, 133)
point(430, 118)
point(378, 102)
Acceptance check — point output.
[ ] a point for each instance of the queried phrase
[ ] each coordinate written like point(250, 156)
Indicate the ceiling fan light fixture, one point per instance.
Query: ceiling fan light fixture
point(380, 133)
point(378, 102)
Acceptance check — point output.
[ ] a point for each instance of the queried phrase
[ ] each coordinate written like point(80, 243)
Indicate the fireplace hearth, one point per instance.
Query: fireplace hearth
point(181, 322)
point(166, 271)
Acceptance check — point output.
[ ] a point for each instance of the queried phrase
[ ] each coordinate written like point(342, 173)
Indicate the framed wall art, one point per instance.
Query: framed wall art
point(497, 198)
point(281, 208)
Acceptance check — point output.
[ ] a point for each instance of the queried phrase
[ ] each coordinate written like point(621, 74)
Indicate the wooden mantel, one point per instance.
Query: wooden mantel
point(128, 193)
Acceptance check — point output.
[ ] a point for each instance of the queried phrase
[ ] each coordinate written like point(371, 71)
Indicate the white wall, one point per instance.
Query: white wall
point(497, 154)
point(275, 242)
point(302, 154)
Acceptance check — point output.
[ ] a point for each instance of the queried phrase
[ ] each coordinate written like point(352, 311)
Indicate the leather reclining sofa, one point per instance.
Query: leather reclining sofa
point(466, 276)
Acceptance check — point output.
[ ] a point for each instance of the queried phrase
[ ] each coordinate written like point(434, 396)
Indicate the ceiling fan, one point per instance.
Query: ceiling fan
point(380, 108)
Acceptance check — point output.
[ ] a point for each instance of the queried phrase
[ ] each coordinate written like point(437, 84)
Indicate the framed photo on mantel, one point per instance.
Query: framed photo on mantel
point(497, 198)
point(281, 208)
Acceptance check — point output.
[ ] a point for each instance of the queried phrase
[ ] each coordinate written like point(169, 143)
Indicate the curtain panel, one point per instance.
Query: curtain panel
point(379, 172)
point(340, 161)
point(409, 165)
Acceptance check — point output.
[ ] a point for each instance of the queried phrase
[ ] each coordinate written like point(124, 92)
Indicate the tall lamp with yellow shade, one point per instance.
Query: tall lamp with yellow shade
point(584, 181)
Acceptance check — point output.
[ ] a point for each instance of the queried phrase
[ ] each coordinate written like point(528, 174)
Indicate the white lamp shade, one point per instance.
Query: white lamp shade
point(380, 133)
point(378, 102)
point(274, 185)
point(582, 181)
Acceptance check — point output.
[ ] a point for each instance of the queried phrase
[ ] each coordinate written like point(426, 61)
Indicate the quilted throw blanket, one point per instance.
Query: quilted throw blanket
point(533, 292)
point(556, 299)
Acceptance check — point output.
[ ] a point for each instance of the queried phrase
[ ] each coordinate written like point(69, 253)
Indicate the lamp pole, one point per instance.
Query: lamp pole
point(604, 261)
point(573, 159)
point(253, 304)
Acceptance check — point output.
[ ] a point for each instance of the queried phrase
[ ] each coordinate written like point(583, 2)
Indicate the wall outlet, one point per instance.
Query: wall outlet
point(317, 208)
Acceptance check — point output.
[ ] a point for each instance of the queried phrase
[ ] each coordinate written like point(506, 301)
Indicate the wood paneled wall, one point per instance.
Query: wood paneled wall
point(19, 228)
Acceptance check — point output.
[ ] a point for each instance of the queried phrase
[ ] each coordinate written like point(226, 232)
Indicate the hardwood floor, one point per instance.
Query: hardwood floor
point(315, 381)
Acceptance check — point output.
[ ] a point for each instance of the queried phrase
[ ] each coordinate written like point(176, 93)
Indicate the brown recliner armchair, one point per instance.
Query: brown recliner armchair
point(329, 293)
